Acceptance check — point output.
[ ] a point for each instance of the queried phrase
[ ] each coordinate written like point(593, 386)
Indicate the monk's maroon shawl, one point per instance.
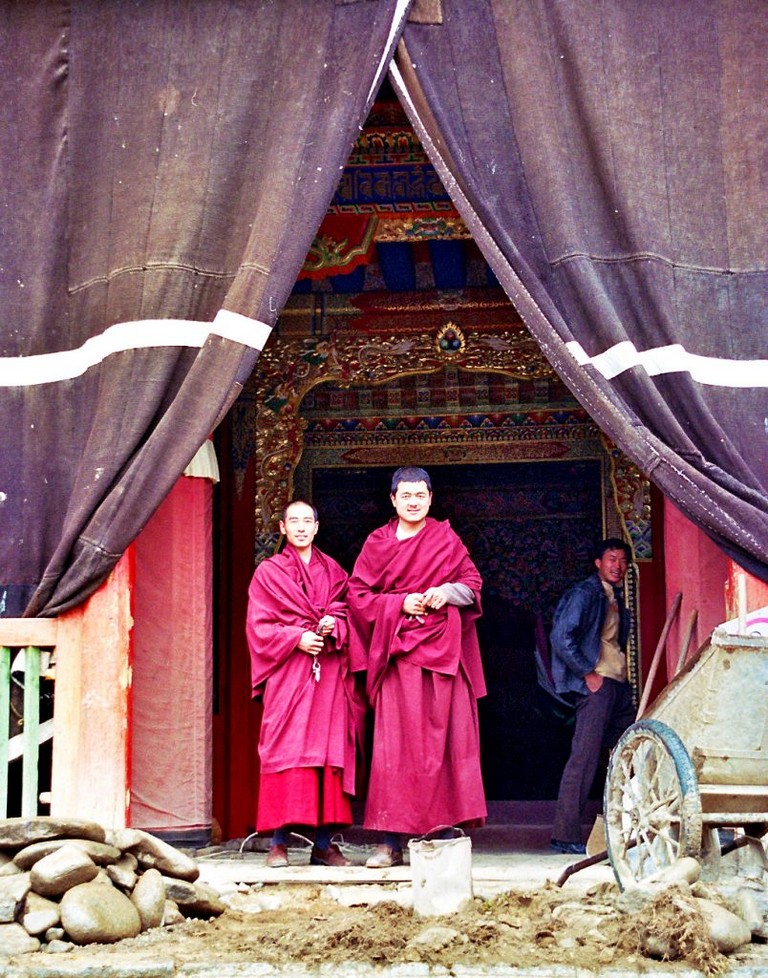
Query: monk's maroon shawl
point(388, 569)
point(305, 723)
point(423, 681)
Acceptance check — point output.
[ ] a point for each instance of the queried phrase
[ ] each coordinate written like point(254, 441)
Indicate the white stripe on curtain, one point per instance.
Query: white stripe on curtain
point(716, 371)
point(47, 368)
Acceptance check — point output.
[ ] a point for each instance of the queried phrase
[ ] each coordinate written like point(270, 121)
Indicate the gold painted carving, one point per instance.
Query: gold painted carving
point(422, 228)
point(632, 497)
point(289, 368)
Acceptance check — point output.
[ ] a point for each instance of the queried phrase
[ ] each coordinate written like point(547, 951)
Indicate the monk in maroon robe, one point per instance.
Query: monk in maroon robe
point(414, 597)
point(297, 634)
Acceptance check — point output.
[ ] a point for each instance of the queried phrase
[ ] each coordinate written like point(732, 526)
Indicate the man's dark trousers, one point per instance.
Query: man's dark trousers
point(601, 718)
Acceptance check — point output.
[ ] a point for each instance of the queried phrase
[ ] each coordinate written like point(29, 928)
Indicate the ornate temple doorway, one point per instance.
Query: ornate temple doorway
point(397, 345)
point(518, 467)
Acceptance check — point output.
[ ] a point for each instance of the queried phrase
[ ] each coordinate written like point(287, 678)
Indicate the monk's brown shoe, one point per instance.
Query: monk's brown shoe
point(332, 856)
point(277, 857)
point(385, 856)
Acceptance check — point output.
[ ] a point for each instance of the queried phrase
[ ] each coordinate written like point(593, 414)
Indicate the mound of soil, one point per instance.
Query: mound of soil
point(546, 927)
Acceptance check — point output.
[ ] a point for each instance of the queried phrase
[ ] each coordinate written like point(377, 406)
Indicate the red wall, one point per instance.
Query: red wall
point(236, 717)
point(698, 570)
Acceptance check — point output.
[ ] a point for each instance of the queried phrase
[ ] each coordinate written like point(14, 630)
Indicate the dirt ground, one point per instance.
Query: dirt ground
point(547, 927)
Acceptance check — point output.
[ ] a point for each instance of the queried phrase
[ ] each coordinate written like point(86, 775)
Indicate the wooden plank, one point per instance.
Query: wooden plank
point(16, 743)
point(20, 632)
point(5, 710)
point(686, 643)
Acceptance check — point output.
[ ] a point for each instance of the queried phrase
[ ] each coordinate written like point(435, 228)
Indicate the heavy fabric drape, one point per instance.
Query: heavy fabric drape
point(165, 167)
point(611, 161)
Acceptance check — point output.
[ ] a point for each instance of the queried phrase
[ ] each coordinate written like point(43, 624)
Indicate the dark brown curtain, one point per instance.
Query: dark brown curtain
point(611, 161)
point(165, 167)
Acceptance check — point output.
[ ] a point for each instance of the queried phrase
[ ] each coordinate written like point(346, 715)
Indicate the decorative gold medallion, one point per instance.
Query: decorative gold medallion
point(450, 340)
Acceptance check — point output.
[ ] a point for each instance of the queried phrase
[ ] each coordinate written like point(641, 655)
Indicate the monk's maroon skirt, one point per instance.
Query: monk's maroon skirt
point(308, 796)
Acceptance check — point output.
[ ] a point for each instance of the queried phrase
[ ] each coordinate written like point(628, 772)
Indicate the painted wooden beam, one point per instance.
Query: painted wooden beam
point(19, 632)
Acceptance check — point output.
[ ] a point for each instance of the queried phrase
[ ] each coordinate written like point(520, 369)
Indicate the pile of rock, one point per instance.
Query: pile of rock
point(68, 881)
point(732, 910)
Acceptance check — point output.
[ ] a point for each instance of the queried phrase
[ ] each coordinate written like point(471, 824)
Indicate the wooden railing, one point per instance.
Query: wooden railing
point(28, 635)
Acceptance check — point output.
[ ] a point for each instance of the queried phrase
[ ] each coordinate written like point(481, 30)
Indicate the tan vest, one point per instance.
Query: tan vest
point(612, 662)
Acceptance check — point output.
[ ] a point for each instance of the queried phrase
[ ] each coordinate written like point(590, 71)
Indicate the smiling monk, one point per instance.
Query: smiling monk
point(297, 634)
point(414, 597)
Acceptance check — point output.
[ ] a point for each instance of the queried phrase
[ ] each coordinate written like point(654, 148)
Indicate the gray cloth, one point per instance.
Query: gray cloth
point(458, 594)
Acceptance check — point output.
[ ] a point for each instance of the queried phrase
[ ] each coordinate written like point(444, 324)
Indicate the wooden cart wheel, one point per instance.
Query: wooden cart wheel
point(652, 806)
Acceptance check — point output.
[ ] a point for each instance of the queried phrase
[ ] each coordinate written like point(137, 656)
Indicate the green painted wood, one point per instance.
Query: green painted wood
point(5, 711)
point(30, 774)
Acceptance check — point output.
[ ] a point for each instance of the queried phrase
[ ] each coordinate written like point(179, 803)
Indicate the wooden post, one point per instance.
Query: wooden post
point(92, 716)
point(740, 584)
point(30, 765)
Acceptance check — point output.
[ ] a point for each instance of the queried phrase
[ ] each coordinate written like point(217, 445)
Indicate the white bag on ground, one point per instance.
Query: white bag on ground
point(441, 872)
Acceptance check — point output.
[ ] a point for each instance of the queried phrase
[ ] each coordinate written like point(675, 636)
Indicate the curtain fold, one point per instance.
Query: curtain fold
point(610, 161)
point(166, 167)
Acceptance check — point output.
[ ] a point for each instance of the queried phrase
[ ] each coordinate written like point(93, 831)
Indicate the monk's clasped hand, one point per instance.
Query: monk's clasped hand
point(434, 598)
point(311, 642)
point(413, 606)
point(325, 625)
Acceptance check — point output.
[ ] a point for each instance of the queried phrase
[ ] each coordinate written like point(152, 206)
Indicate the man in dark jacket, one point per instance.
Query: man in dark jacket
point(589, 639)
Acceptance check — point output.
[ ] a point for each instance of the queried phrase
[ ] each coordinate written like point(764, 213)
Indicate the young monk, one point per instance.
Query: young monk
point(414, 597)
point(297, 634)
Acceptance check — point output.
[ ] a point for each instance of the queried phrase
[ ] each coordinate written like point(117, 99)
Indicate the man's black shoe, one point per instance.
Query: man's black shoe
point(571, 848)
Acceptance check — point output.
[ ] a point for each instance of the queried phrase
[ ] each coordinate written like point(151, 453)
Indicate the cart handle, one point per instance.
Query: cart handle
point(657, 654)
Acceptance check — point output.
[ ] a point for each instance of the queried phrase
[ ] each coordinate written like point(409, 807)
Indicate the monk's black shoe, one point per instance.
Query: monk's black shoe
point(570, 848)
point(332, 856)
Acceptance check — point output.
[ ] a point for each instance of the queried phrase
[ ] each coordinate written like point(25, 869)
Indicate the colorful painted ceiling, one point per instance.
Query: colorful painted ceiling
point(391, 224)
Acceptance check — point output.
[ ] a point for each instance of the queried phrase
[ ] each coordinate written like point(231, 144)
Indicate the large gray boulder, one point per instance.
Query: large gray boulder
point(148, 897)
point(180, 891)
point(92, 913)
point(59, 871)
point(15, 940)
point(154, 853)
point(207, 903)
point(18, 832)
point(100, 853)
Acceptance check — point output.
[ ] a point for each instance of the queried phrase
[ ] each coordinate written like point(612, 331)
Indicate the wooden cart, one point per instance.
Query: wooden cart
point(696, 763)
